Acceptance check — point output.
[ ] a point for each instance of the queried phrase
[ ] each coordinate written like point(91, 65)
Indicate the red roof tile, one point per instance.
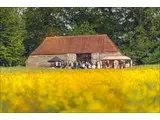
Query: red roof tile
point(75, 44)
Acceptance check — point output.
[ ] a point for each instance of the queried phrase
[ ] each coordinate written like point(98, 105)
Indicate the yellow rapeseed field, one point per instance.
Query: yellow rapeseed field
point(103, 90)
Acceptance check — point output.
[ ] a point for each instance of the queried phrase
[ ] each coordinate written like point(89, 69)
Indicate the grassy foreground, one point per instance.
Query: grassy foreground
point(135, 89)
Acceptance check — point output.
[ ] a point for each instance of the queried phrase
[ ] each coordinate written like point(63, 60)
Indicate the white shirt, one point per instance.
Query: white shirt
point(93, 66)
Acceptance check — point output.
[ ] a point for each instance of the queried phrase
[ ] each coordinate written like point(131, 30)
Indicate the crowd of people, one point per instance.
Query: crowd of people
point(76, 65)
point(91, 65)
point(82, 65)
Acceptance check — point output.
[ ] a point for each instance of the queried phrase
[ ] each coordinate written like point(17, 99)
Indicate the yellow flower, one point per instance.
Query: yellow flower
point(127, 90)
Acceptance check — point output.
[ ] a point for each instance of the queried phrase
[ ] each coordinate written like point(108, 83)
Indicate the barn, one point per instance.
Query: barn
point(66, 50)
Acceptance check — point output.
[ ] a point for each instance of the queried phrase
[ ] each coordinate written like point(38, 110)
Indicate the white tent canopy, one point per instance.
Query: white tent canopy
point(116, 58)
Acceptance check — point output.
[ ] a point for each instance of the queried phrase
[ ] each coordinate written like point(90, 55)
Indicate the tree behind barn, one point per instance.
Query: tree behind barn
point(136, 31)
point(12, 34)
point(41, 23)
point(142, 35)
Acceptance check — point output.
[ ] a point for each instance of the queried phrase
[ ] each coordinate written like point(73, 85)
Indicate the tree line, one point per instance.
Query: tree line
point(136, 31)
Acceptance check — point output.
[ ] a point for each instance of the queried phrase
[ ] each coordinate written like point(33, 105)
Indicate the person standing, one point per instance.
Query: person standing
point(98, 65)
point(100, 62)
point(89, 66)
point(83, 65)
point(93, 66)
point(77, 66)
point(116, 64)
point(56, 64)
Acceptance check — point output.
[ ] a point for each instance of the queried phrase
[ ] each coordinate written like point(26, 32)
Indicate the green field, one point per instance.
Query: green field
point(29, 69)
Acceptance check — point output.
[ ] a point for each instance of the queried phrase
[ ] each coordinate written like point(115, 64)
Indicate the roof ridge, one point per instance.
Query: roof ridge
point(77, 36)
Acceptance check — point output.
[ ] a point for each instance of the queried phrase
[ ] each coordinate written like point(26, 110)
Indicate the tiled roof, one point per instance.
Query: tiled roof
point(75, 44)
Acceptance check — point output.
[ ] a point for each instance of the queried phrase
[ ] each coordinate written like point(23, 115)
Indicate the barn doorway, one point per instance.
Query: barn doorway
point(84, 57)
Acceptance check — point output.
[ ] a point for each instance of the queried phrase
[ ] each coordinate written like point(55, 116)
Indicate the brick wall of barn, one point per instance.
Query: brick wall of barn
point(71, 57)
point(42, 60)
